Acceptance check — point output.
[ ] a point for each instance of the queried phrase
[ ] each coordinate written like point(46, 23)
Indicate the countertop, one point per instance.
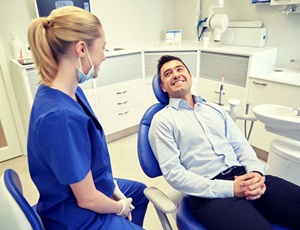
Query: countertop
point(284, 76)
point(185, 46)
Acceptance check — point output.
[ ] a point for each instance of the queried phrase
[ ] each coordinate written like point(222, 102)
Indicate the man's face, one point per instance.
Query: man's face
point(176, 79)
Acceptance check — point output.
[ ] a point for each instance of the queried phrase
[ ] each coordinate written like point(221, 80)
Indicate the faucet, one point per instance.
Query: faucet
point(294, 60)
point(298, 111)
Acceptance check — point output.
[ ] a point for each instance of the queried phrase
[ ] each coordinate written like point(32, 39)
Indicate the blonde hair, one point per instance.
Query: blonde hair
point(50, 37)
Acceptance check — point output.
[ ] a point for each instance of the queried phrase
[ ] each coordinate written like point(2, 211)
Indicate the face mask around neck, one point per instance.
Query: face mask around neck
point(82, 77)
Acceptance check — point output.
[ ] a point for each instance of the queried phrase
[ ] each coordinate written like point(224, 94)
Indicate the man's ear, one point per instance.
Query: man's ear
point(163, 87)
point(80, 48)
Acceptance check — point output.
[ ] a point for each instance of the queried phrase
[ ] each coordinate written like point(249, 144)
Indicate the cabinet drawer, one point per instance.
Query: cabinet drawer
point(123, 119)
point(116, 69)
point(119, 92)
point(120, 105)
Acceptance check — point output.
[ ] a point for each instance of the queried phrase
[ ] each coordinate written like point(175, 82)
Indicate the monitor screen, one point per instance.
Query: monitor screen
point(44, 7)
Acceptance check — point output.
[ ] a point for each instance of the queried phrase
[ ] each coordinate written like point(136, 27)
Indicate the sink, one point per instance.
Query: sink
point(278, 119)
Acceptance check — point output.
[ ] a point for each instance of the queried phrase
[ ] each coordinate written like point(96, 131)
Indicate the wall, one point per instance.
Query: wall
point(124, 21)
point(139, 21)
point(283, 31)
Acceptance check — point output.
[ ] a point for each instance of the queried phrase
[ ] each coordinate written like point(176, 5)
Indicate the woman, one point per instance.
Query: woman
point(67, 151)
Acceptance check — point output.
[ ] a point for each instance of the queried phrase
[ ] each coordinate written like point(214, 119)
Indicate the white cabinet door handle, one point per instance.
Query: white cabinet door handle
point(258, 83)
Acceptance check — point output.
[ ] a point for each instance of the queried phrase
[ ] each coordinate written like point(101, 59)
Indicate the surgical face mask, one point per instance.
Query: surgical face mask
point(82, 77)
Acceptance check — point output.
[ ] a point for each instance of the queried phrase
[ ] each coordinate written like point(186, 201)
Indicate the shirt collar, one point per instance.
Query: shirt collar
point(176, 103)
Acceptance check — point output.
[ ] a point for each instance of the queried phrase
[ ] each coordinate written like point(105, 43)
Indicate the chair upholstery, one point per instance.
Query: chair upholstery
point(16, 213)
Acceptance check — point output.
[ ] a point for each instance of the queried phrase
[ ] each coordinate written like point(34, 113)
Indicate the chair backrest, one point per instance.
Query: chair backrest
point(147, 159)
point(16, 213)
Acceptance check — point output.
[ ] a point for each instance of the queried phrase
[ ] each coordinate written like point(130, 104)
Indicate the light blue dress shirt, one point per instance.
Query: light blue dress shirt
point(193, 145)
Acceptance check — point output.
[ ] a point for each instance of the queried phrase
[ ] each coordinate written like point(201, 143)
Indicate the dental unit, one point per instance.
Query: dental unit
point(216, 22)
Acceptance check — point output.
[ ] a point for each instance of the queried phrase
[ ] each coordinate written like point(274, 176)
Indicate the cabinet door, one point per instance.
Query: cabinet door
point(10, 145)
point(121, 68)
point(214, 65)
point(266, 92)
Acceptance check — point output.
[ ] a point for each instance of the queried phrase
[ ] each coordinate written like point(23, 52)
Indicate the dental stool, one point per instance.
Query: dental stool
point(162, 203)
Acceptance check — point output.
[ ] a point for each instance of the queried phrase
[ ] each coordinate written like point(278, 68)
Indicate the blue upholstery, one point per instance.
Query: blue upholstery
point(184, 217)
point(160, 95)
point(14, 187)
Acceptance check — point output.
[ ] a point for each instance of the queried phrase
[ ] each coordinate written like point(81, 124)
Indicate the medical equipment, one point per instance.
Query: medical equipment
point(221, 90)
point(217, 22)
point(232, 110)
point(44, 8)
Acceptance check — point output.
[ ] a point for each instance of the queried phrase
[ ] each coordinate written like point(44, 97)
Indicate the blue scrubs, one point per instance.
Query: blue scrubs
point(65, 142)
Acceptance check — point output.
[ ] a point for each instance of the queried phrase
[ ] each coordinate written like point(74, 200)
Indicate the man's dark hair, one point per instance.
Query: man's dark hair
point(166, 58)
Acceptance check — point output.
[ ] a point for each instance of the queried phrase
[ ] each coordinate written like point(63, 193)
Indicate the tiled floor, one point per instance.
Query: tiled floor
point(125, 164)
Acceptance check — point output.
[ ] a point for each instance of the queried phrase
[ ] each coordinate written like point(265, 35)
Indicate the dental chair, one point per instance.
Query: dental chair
point(16, 213)
point(164, 204)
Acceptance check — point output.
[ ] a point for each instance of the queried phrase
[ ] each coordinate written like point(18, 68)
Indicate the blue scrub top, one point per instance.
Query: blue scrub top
point(65, 142)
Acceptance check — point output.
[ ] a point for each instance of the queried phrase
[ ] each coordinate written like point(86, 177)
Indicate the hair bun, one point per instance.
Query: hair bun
point(47, 23)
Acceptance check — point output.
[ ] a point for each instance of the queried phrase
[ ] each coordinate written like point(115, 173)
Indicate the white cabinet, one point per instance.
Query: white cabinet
point(116, 95)
point(190, 58)
point(284, 160)
point(120, 92)
point(284, 2)
point(25, 80)
point(269, 92)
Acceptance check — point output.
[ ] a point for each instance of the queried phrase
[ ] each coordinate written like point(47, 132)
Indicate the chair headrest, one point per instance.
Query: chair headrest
point(160, 95)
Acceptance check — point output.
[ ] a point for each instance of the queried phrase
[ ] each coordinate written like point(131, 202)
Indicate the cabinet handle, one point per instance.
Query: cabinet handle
point(121, 92)
point(121, 114)
point(122, 103)
point(258, 83)
point(218, 92)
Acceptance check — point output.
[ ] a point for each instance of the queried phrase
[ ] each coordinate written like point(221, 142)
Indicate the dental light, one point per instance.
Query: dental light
point(216, 22)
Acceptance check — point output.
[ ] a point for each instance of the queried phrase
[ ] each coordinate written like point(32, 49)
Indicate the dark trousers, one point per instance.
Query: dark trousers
point(280, 205)
point(135, 190)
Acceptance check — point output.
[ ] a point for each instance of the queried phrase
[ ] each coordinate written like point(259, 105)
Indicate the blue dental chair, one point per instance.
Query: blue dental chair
point(16, 213)
point(162, 203)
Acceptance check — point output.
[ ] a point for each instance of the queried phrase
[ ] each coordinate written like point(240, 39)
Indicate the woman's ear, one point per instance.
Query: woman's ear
point(80, 48)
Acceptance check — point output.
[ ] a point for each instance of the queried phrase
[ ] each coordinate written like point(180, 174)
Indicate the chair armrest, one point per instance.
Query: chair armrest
point(160, 200)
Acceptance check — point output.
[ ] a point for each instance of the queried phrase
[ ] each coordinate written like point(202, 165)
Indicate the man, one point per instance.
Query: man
point(202, 153)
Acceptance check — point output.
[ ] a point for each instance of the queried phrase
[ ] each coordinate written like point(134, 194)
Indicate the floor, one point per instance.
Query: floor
point(125, 164)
